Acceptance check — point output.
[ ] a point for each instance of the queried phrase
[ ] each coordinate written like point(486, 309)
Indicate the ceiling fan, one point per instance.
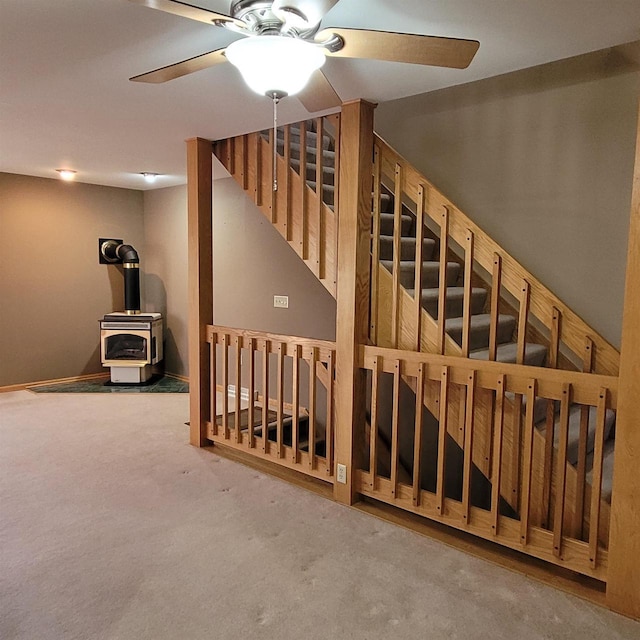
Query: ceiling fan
point(284, 45)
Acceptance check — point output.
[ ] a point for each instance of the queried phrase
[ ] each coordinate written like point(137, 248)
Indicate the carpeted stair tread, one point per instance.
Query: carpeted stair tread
point(479, 330)
point(328, 172)
point(312, 138)
point(607, 469)
point(328, 192)
point(454, 300)
point(430, 273)
point(387, 224)
point(407, 248)
point(573, 439)
point(534, 355)
point(328, 155)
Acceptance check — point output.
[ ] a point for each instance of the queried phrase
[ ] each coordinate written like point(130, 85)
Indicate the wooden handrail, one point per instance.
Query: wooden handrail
point(542, 303)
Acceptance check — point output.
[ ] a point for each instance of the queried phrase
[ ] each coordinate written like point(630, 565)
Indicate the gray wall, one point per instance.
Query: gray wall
point(53, 291)
point(542, 160)
point(165, 250)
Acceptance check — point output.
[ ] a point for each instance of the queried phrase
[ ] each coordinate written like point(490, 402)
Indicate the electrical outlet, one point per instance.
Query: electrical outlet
point(281, 302)
point(342, 473)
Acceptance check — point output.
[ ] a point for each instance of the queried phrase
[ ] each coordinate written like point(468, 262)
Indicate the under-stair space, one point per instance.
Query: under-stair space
point(490, 404)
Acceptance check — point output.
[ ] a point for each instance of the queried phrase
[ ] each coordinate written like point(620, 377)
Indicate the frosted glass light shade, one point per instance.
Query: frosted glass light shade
point(275, 63)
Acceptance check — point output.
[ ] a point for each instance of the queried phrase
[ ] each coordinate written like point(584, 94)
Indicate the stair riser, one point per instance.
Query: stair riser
point(312, 137)
point(387, 224)
point(430, 275)
point(328, 157)
point(454, 306)
point(328, 174)
point(407, 248)
point(479, 336)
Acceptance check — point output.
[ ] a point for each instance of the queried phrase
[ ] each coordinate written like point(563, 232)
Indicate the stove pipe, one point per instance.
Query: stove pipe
point(125, 253)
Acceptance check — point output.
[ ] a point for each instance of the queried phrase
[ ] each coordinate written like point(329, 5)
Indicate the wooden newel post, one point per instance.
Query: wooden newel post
point(352, 319)
point(200, 242)
point(623, 580)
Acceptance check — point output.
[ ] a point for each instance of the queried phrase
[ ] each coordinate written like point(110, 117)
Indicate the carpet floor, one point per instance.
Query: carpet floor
point(112, 527)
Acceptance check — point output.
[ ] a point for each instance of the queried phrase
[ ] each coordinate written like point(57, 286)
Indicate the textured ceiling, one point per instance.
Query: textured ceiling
point(65, 97)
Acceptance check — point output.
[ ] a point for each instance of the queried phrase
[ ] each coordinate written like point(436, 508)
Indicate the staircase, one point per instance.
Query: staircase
point(492, 310)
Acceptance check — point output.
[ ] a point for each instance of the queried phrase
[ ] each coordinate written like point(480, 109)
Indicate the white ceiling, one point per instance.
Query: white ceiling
point(66, 101)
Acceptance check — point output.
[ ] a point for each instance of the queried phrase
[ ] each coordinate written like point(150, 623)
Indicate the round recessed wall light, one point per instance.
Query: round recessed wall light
point(149, 177)
point(66, 174)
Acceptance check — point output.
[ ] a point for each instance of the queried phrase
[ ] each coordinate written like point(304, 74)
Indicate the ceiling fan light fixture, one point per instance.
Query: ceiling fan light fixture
point(275, 64)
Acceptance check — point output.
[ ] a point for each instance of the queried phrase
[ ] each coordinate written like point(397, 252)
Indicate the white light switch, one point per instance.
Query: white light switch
point(281, 302)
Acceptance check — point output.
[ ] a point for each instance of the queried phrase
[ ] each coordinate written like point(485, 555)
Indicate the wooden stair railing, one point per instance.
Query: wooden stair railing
point(296, 209)
point(303, 210)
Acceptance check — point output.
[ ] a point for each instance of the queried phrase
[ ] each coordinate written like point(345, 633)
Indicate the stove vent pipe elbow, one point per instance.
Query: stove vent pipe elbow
point(128, 256)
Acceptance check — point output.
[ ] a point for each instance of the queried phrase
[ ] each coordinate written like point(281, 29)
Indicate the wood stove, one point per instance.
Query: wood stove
point(130, 345)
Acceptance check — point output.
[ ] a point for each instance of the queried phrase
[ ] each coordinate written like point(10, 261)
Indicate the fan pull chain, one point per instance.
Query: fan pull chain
point(276, 99)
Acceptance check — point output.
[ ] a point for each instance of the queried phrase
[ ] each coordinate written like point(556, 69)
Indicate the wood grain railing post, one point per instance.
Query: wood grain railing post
point(200, 245)
point(251, 344)
point(304, 227)
point(442, 281)
point(354, 225)
point(466, 309)
point(375, 246)
point(417, 434)
point(417, 285)
point(397, 235)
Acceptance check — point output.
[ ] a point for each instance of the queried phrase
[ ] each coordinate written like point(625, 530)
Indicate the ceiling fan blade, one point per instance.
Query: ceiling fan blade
point(188, 11)
point(319, 94)
point(402, 47)
point(179, 69)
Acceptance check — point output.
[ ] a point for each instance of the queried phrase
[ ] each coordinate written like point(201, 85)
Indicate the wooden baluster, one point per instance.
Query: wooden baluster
point(225, 386)
point(245, 161)
point(395, 428)
point(252, 391)
point(554, 348)
point(313, 359)
point(376, 373)
point(295, 401)
point(397, 235)
point(286, 179)
point(467, 465)
point(322, 236)
point(417, 434)
point(336, 199)
point(214, 383)
point(532, 388)
point(304, 227)
point(442, 439)
point(238, 387)
point(231, 156)
point(259, 176)
point(561, 470)
point(496, 471)
point(442, 282)
point(466, 310)
point(516, 446)
point(581, 467)
point(280, 400)
point(330, 411)
point(596, 483)
point(523, 316)
point(417, 286)
point(375, 245)
point(273, 206)
point(496, 283)
point(266, 348)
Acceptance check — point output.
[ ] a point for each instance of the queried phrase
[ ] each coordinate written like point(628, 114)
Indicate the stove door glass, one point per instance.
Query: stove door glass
point(125, 346)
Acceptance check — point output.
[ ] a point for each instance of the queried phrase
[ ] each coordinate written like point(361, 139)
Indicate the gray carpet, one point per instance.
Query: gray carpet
point(113, 527)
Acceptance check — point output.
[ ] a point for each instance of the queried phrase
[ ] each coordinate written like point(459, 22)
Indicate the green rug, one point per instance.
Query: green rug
point(163, 384)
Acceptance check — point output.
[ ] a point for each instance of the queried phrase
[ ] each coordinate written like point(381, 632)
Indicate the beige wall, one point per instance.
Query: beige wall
point(53, 291)
point(252, 263)
point(542, 160)
point(165, 251)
